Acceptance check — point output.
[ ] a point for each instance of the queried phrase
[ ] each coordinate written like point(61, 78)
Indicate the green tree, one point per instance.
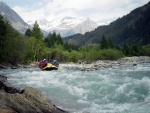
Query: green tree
point(53, 39)
point(110, 44)
point(36, 49)
point(67, 47)
point(104, 43)
point(126, 50)
point(2, 26)
point(36, 32)
point(7, 41)
point(54, 35)
point(28, 32)
point(50, 40)
point(59, 40)
point(135, 50)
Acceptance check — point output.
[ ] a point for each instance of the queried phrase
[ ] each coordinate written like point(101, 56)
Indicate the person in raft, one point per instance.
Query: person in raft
point(43, 63)
point(55, 63)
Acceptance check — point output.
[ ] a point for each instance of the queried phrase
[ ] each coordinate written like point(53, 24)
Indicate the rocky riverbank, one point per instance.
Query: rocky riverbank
point(28, 100)
point(84, 66)
point(88, 66)
point(10, 66)
point(31, 100)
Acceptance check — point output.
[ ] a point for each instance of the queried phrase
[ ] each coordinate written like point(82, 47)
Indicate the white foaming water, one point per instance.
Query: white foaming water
point(125, 89)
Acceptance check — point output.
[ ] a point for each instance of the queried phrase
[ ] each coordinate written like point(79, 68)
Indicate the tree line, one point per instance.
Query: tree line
point(127, 50)
point(33, 46)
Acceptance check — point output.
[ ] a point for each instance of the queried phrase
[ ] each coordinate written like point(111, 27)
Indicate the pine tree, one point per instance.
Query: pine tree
point(59, 40)
point(53, 39)
point(49, 41)
point(135, 50)
point(67, 47)
point(126, 50)
point(36, 32)
point(2, 26)
point(28, 32)
point(110, 44)
point(104, 43)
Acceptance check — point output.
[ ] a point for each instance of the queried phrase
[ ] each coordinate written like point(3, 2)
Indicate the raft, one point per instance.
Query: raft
point(49, 67)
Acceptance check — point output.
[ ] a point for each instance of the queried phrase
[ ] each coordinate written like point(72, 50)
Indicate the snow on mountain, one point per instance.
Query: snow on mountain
point(66, 26)
point(42, 23)
point(86, 26)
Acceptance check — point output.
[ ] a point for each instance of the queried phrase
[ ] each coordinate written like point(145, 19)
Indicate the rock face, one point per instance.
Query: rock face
point(16, 21)
point(29, 100)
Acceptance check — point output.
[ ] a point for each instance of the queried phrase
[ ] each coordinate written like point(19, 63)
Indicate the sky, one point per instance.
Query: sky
point(100, 11)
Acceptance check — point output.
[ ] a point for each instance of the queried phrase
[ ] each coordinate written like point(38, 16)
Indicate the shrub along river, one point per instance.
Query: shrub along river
point(123, 89)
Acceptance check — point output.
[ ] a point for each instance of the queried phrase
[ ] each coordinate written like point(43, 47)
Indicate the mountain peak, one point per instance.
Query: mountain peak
point(67, 25)
point(87, 25)
point(131, 29)
point(2, 3)
point(87, 19)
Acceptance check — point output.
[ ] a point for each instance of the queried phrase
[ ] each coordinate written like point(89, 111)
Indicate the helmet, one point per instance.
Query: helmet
point(44, 59)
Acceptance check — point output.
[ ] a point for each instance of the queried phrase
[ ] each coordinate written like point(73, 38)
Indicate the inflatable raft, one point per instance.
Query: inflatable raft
point(49, 67)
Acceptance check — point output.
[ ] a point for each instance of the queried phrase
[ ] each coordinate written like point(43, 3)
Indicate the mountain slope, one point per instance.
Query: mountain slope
point(16, 21)
point(66, 26)
point(133, 28)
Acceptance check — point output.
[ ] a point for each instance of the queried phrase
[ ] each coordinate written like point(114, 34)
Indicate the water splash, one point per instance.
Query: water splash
point(123, 89)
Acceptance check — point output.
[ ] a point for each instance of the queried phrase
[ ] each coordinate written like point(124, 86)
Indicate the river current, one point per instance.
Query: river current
point(123, 89)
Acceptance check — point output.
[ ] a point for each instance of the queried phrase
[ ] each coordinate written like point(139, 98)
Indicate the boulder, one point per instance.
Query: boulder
point(6, 86)
point(29, 100)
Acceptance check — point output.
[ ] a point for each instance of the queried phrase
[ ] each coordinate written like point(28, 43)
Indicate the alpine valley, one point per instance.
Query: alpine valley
point(65, 26)
point(133, 28)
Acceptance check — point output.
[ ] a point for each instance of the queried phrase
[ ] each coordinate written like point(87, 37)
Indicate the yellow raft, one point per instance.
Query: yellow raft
point(49, 67)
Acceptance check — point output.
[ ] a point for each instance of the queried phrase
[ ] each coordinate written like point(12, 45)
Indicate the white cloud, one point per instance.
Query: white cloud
point(29, 14)
point(97, 10)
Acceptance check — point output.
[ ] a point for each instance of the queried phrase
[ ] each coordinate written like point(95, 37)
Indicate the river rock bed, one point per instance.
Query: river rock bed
point(84, 66)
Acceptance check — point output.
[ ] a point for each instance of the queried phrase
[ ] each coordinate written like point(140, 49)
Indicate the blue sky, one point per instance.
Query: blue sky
point(100, 11)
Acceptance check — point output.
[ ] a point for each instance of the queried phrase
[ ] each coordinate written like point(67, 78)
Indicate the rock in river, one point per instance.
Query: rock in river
point(29, 100)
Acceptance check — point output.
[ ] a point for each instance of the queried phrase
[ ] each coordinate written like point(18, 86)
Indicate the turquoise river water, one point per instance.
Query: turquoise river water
point(124, 89)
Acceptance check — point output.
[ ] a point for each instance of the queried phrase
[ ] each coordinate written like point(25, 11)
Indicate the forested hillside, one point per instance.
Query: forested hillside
point(33, 46)
point(16, 48)
point(131, 29)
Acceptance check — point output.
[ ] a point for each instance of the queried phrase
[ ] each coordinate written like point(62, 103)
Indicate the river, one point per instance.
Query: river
point(123, 89)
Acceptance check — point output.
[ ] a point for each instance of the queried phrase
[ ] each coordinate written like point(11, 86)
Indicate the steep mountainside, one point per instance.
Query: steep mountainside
point(67, 26)
point(133, 28)
point(16, 21)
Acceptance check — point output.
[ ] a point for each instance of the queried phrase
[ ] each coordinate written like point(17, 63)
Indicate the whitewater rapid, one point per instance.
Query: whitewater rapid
point(123, 89)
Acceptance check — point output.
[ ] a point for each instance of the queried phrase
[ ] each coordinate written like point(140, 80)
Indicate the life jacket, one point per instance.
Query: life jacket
point(42, 64)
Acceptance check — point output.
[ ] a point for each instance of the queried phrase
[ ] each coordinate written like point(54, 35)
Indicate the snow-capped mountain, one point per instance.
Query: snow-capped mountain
point(16, 21)
point(66, 26)
point(86, 25)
